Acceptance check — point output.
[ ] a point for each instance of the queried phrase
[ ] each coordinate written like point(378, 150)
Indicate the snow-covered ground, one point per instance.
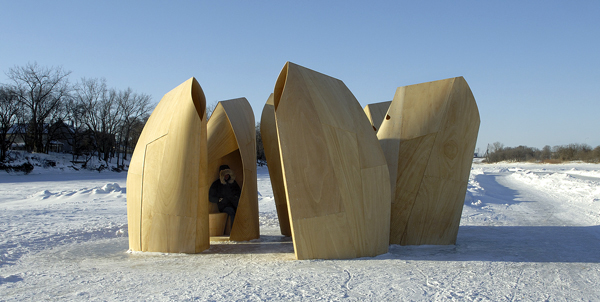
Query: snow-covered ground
point(529, 232)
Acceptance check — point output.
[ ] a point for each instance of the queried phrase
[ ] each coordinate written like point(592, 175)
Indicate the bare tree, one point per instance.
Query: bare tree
point(210, 108)
point(9, 114)
point(56, 128)
point(546, 153)
point(41, 91)
point(492, 154)
point(132, 107)
point(101, 114)
point(260, 149)
point(79, 141)
point(596, 154)
point(136, 131)
point(88, 93)
point(497, 146)
point(107, 118)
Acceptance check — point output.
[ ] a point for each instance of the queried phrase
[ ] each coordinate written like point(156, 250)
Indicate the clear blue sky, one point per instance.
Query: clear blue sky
point(533, 66)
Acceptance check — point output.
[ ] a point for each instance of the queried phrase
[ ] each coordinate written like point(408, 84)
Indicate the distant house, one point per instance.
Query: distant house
point(57, 137)
point(17, 134)
point(61, 136)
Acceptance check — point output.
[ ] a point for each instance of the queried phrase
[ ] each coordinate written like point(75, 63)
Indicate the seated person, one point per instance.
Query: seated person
point(225, 192)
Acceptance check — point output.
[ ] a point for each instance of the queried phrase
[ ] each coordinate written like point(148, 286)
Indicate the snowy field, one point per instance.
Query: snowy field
point(529, 232)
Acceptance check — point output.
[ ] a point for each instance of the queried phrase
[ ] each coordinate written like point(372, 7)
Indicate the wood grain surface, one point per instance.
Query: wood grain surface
point(232, 142)
point(334, 171)
point(268, 133)
point(428, 137)
point(167, 196)
point(376, 113)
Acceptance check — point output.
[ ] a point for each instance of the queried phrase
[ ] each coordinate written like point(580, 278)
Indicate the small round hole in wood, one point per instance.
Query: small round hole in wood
point(387, 117)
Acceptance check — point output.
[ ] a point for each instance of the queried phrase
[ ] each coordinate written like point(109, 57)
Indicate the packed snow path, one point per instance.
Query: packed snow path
point(528, 232)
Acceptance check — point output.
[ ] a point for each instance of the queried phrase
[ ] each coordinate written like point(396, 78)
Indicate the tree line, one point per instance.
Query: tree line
point(497, 152)
point(41, 111)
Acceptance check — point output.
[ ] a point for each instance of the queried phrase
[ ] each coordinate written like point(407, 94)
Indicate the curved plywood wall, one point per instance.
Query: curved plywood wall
point(428, 137)
point(232, 141)
point(376, 112)
point(268, 134)
point(167, 194)
point(335, 175)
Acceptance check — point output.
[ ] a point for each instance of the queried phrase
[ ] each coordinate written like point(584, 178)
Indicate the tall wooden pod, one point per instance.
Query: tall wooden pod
point(376, 112)
point(334, 171)
point(428, 137)
point(167, 192)
point(232, 142)
point(268, 133)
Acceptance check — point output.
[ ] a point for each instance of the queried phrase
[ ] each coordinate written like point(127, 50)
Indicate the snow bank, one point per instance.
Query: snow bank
point(52, 163)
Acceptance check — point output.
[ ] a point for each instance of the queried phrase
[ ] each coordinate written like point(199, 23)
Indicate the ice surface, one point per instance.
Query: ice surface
point(528, 232)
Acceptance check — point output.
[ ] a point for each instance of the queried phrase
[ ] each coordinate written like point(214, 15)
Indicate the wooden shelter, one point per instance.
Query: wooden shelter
point(232, 142)
point(268, 133)
point(334, 171)
point(428, 137)
point(376, 112)
point(167, 192)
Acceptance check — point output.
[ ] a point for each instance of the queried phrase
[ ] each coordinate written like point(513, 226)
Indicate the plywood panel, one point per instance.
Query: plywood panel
point(435, 216)
point(376, 113)
point(377, 228)
point(324, 237)
point(165, 208)
point(330, 156)
point(415, 154)
point(232, 141)
point(203, 187)
point(221, 139)
point(457, 136)
point(268, 133)
point(428, 137)
point(152, 166)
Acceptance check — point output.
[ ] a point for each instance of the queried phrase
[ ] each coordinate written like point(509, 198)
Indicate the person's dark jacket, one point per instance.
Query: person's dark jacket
point(225, 193)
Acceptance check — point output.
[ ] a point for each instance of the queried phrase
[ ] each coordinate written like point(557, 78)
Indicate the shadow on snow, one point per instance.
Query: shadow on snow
point(512, 244)
point(494, 193)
